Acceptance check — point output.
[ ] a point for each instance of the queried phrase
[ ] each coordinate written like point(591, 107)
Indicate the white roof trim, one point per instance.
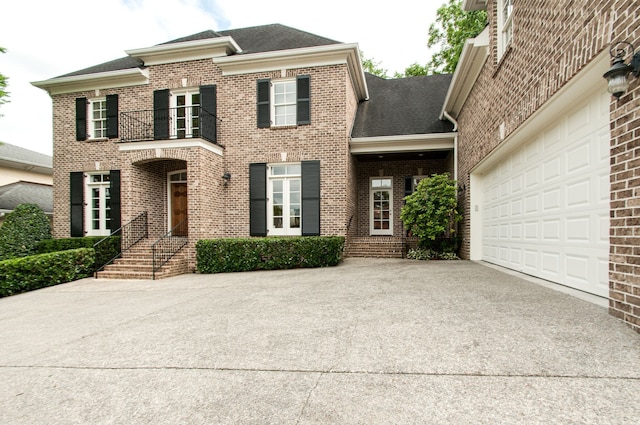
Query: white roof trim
point(403, 143)
point(170, 144)
point(305, 57)
point(474, 54)
point(98, 80)
point(185, 51)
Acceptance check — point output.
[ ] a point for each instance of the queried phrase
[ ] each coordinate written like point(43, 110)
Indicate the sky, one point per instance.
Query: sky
point(46, 38)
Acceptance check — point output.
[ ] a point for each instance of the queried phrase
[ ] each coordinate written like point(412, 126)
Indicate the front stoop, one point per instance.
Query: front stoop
point(375, 247)
point(137, 263)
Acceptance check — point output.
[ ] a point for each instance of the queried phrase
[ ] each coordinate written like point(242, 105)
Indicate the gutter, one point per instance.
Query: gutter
point(455, 143)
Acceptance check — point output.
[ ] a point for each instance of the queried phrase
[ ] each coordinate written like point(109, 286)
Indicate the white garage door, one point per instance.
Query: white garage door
point(546, 205)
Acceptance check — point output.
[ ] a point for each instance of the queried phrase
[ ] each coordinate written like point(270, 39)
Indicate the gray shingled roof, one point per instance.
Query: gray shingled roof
point(14, 194)
point(15, 153)
point(402, 106)
point(259, 39)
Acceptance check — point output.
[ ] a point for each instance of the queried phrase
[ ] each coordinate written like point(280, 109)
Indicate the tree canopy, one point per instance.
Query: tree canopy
point(373, 67)
point(452, 28)
point(3, 84)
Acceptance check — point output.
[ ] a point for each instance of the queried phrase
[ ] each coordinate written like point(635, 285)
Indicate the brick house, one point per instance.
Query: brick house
point(549, 160)
point(261, 131)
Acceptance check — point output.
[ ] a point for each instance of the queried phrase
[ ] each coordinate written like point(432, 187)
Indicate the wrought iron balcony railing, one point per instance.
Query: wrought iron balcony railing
point(166, 124)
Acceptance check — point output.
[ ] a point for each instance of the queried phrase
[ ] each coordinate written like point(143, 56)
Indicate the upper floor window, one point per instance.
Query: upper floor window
point(505, 25)
point(97, 118)
point(284, 102)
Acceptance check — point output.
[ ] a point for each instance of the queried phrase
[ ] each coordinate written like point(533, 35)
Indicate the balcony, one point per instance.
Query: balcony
point(167, 124)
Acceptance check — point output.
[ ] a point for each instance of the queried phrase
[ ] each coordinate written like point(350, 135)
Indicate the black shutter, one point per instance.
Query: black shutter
point(408, 185)
point(310, 198)
point(303, 92)
point(81, 118)
point(76, 186)
point(258, 199)
point(263, 104)
point(161, 114)
point(208, 114)
point(112, 116)
point(114, 193)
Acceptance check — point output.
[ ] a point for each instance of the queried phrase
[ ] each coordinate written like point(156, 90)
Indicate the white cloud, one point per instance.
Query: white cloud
point(47, 38)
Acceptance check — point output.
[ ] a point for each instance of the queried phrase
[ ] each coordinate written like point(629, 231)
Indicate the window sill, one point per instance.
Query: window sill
point(283, 127)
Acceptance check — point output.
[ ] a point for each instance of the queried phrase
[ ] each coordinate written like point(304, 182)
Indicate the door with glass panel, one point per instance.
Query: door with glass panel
point(98, 207)
point(284, 193)
point(381, 206)
point(178, 212)
point(186, 115)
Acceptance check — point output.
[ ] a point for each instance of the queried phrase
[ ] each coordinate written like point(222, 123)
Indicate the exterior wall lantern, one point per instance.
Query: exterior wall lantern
point(226, 177)
point(618, 76)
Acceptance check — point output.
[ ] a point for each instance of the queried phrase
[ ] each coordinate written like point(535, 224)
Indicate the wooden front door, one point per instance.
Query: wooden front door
point(179, 208)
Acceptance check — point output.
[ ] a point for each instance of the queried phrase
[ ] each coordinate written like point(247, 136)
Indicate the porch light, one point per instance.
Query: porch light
point(617, 76)
point(226, 177)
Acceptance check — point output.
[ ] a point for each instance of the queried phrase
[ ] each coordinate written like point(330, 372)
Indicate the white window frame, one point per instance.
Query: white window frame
point(182, 178)
point(505, 25)
point(104, 188)
point(288, 201)
point(97, 126)
point(288, 105)
point(372, 191)
point(188, 108)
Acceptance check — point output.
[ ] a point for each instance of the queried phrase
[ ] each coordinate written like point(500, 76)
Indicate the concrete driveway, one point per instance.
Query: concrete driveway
point(367, 342)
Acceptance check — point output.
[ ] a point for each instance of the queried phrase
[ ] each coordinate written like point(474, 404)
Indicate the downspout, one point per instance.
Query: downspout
point(455, 143)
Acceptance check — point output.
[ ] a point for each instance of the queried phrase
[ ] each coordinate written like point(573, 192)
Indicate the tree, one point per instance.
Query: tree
point(372, 67)
point(3, 84)
point(452, 28)
point(413, 70)
point(22, 230)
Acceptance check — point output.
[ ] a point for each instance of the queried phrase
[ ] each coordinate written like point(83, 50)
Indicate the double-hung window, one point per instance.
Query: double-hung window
point(284, 102)
point(505, 25)
point(98, 120)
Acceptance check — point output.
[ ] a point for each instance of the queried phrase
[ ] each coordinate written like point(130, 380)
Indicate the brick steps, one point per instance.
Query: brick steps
point(375, 247)
point(137, 263)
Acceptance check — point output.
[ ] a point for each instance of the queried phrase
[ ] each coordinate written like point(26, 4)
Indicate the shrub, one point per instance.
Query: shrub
point(22, 230)
point(430, 254)
point(431, 213)
point(104, 252)
point(38, 271)
point(235, 255)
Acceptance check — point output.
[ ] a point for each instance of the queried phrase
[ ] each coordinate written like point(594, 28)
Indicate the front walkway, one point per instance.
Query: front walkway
point(371, 341)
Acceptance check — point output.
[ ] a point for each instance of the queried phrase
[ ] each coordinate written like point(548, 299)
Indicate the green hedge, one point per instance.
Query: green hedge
point(236, 255)
point(37, 271)
point(104, 252)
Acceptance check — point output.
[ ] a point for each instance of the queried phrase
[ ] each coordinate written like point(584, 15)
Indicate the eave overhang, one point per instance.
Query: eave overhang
point(95, 81)
point(25, 166)
point(403, 143)
point(185, 51)
point(334, 54)
point(468, 5)
point(473, 57)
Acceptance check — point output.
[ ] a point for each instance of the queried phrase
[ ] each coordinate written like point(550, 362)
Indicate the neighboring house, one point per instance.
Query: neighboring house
point(25, 177)
point(549, 160)
point(262, 131)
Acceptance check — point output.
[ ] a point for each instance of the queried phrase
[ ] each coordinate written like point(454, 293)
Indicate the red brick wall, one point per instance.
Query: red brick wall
point(552, 42)
point(215, 210)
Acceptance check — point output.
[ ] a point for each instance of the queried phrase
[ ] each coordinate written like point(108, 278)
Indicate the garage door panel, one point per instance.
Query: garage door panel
point(551, 219)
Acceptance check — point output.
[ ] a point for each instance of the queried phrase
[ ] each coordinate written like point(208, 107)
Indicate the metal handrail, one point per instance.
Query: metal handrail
point(176, 123)
point(167, 246)
point(130, 234)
